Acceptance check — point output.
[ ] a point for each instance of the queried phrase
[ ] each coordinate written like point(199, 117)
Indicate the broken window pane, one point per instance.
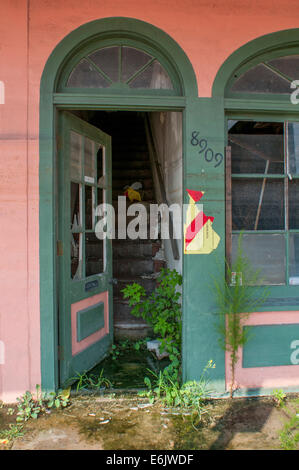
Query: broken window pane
point(260, 79)
point(100, 164)
point(89, 207)
point(89, 161)
point(294, 259)
point(293, 147)
point(76, 256)
point(257, 204)
point(257, 147)
point(94, 254)
point(75, 206)
point(293, 204)
point(265, 253)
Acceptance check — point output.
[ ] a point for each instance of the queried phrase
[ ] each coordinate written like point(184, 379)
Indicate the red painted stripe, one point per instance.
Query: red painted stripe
point(196, 195)
point(196, 225)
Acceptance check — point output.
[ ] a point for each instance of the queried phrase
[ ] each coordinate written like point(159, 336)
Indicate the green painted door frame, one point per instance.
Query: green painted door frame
point(51, 102)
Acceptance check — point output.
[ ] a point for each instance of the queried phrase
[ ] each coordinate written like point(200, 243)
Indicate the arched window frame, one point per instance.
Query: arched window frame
point(119, 88)
point(260, 107)
point(249, 64)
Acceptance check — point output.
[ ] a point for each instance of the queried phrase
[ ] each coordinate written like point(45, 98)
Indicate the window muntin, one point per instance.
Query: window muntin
point(119, 66)
point(265, 196)
point(268, 77)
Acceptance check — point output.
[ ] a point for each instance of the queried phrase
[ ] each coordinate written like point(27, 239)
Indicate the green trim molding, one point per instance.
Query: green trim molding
point(270, 45)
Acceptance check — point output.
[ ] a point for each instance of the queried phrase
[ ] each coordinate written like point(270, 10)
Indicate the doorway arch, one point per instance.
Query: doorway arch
point(90, 36)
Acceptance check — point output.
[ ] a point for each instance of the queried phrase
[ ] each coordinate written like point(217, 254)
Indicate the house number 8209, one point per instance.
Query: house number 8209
point(208, 153)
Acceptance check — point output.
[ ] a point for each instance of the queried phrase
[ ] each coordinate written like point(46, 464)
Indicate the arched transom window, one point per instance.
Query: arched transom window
point(268, 76)
point(119, 68)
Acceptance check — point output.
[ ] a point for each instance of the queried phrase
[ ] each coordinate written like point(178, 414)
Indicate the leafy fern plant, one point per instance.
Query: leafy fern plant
point(238, 294)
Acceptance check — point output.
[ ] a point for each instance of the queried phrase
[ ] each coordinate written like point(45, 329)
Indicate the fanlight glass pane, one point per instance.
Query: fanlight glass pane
point(113, 66)
point(260, 79)
point(107, 60)
point(153, 77)
point(288, 65)
point(132, 61)
point(85, 76)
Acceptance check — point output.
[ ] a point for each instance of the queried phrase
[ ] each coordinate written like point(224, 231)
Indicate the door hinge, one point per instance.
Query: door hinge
point(59, 248)
point(60, 353)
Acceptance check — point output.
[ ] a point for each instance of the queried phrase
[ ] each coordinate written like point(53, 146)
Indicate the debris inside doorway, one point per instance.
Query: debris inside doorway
point(125, 368)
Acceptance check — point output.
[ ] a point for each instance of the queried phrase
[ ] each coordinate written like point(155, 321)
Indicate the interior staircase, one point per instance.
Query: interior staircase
point(133, 260)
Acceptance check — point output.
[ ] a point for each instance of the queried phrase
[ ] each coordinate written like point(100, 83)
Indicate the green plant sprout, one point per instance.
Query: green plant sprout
point(279, 397)
point(87, 381)
point(188, 397)
point(30, 406)
point(163, 312)
point(289, 436)
point(238, 294)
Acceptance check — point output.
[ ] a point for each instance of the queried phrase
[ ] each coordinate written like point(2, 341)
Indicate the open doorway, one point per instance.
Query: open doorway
point(145, 157)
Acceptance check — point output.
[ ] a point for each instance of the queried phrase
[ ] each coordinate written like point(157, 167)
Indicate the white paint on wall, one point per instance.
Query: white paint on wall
point(2, 92)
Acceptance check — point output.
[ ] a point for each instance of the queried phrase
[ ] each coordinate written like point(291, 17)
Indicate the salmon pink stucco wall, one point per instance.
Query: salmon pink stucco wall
point(208, 31)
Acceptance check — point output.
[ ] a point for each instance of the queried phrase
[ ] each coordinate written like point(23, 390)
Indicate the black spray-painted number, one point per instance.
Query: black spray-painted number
point(209, 154)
